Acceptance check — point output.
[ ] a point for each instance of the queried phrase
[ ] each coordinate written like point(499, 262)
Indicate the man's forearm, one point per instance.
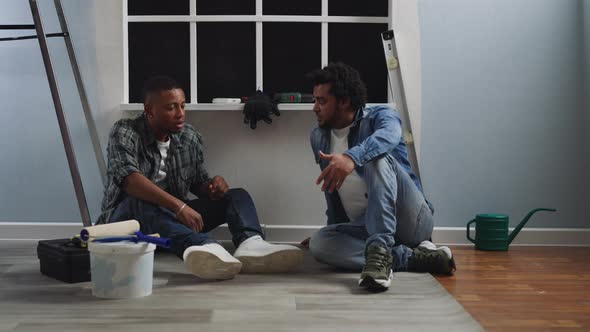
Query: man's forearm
point(138, 186)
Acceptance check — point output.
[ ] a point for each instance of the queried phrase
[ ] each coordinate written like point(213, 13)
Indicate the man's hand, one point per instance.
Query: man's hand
point(333, 176)
point(217, 187)
point(190, 218)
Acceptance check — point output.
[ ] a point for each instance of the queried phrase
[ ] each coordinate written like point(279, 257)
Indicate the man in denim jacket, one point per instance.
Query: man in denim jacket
point(378, 218)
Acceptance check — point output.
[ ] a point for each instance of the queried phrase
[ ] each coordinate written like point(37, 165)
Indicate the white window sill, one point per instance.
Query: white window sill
point(221, 107)
point(227, 107)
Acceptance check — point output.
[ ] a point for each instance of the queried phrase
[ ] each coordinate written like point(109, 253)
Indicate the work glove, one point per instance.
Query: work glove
point(259, 107)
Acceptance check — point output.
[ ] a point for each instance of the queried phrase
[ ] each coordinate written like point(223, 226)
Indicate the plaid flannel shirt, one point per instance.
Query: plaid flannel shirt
point(132, 148)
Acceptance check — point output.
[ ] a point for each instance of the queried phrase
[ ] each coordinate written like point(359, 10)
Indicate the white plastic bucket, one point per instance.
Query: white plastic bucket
point(121, 269)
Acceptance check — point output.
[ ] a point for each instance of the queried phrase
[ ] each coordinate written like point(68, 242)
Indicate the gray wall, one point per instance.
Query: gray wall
point(501, 110)
point(35, 184)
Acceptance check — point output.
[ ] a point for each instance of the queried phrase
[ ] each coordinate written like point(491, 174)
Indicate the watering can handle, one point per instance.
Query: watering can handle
point(468, 224)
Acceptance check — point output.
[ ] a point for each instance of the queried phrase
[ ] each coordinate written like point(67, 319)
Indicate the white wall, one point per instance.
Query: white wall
point(501, 109)
point(274, 163)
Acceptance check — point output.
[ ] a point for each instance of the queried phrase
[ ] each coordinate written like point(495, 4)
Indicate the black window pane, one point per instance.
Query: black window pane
point(158, 7)
point(359, 45)
point(292, 7)
point(226, 7)
point(287, 59)
point(226, 60)
point(158, 49)
point(358, 8)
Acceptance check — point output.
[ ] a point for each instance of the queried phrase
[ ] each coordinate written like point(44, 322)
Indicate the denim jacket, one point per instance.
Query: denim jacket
point(375, 132)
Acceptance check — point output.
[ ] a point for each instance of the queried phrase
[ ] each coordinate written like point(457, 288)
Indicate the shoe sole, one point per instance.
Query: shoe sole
point(277, 262)
point(453, 266)
point(376, 285)
point(206, 265)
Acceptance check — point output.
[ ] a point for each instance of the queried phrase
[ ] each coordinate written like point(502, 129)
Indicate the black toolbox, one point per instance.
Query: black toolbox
point(64, 260)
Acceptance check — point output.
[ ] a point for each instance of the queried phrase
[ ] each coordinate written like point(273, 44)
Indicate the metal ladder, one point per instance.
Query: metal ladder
point(38, 26)
point(398, 95)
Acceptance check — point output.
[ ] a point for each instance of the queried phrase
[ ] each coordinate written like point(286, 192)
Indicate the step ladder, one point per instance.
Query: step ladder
point(397, 92)
point(67, 141)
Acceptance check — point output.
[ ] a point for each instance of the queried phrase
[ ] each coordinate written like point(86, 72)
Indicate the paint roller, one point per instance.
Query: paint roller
point(126, 227)
point(137, 237)
point(120, 231)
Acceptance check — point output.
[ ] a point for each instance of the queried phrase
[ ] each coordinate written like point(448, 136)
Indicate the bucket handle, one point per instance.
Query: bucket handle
point(468, 229)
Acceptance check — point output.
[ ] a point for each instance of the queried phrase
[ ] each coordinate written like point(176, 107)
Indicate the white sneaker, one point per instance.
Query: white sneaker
point(429, 245)
point(259, 256)
point(211, 261)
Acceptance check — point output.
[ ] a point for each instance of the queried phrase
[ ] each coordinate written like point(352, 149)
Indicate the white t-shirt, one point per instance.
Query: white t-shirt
point(353, 192)
point(160, 179)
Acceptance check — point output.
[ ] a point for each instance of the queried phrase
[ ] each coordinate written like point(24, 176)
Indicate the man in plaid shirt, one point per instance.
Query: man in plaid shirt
point(154, 160)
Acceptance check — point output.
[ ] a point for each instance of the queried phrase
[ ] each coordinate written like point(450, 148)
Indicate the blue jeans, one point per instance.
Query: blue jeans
point(397, 217)
point(236, 209)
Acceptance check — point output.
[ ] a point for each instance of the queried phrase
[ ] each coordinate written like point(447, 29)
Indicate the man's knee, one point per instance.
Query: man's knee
point(324, 248)
point(316, 244)
point(239, 194)
point(385, 165)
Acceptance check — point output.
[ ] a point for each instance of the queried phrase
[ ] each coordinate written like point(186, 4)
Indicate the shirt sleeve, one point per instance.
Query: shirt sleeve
point(201, 176)
point(386, 127)
point(122, 152)
point(314, 141)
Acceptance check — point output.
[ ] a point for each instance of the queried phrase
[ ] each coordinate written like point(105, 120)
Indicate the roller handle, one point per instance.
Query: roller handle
point(162, 242)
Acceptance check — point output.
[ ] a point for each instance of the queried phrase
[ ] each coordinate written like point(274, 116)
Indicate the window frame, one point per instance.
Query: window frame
point(193, 18)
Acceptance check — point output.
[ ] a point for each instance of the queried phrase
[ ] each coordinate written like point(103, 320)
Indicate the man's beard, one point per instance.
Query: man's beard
point(326, 124)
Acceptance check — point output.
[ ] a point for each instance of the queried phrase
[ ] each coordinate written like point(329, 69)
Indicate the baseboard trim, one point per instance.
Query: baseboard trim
point(296, 233)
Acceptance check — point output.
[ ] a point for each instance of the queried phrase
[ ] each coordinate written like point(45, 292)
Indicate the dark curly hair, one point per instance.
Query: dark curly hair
point(346, 82)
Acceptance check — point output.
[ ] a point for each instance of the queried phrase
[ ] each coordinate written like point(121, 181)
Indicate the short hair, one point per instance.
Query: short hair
point(346, 82)
point(158, 83)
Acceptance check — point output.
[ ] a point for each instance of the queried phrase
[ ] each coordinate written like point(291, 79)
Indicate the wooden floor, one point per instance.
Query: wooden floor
point(525, 288)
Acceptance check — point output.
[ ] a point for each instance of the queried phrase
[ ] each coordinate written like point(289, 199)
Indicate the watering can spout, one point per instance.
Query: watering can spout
point(524, 221)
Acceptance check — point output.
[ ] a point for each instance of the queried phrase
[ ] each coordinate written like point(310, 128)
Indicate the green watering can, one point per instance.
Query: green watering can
point(491, 230)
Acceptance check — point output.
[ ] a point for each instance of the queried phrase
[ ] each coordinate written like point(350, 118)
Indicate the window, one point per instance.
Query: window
point(226, 7)
point(226, 60)
point(158, 7)
point(357, 8)
point(294, 7)
point(170, 56)
point(231, 48)
point(365, 54)
point(290, 50)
